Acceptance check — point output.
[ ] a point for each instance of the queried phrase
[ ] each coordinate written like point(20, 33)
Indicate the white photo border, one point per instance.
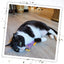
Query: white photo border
point(36, 5)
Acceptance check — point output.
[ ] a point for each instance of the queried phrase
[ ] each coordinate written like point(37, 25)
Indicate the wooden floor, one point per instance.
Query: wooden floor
point(43, 50)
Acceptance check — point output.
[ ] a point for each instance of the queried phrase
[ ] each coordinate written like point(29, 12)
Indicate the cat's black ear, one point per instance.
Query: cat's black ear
point(15, 36)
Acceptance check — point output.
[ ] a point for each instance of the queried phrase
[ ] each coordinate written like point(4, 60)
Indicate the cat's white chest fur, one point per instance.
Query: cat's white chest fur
point(43, 32)
point(27, 38)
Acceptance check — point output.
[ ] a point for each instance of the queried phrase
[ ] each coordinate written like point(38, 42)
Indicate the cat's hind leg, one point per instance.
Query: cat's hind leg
point(52, 34)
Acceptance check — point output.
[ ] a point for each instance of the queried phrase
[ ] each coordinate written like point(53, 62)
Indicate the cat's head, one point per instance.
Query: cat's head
point(16, 41)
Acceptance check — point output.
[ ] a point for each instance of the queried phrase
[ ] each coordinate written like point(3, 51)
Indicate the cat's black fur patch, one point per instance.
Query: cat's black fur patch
point(37, 40)
point(48, 33)
point(37, 24)
point(27, 30)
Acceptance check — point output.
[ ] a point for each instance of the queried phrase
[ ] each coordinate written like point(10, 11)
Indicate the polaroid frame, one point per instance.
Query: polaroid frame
point(36, 5)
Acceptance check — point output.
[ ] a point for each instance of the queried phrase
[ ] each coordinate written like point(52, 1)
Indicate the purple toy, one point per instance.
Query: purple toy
point(30, 45)
point(27, 47)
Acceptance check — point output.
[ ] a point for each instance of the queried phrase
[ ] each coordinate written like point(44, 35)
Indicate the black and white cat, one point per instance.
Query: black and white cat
point(31, 31)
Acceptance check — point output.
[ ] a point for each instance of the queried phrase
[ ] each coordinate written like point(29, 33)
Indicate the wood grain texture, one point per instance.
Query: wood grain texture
point(44, 50)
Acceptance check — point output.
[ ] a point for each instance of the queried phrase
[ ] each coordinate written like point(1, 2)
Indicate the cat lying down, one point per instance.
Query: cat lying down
point(31, 31)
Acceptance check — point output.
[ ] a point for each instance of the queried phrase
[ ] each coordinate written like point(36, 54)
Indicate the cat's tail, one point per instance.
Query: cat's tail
point(52, 33)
